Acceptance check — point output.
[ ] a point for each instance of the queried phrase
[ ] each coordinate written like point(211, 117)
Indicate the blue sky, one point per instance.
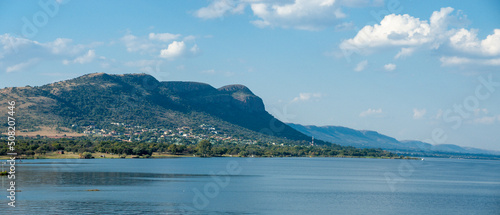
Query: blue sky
point(423, 70)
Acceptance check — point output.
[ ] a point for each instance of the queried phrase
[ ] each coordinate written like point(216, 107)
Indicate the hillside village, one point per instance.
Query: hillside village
point(130, 133)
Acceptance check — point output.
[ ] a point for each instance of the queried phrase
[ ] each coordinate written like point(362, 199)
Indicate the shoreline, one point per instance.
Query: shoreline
point(71, 155)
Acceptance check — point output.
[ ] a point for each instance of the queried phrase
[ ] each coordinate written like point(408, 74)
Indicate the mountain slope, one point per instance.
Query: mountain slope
point(372, 139)
point(99, 99)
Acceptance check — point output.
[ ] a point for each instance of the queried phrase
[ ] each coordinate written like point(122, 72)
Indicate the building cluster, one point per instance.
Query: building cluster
point(128, 132)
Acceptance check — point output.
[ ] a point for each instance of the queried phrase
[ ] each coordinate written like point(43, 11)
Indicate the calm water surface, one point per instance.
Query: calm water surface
point(256, 186)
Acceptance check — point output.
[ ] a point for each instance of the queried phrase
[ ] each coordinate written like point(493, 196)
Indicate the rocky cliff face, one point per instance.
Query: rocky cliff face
point(244, 99)
point(140, 98)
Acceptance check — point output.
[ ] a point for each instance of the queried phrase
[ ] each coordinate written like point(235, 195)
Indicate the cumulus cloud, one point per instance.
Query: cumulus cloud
point(301, 14)
point(408, 34)
point(361, 66)
point(390, 67)
point(298, 14)
point(306, 97)
point(404, 52)
point(467, 41)
point(219, 8)
point(393, 30)
point(401, 30)
point(419, 113)
point(166, 44)
point(174, 49)
point(371, 112)
point(164, 37)
point(86, 58)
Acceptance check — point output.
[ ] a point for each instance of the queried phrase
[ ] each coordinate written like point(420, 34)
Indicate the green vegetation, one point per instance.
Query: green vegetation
point(86, 155)
point(32, 148)
point(100, 101)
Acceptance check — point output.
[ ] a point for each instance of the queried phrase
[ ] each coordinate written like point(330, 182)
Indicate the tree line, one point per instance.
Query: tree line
point(204, 148)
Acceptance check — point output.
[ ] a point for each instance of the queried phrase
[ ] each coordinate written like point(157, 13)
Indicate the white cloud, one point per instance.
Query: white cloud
point(136, 44)
point(298, 14)
point(393, 30)
point(371, 112)
point(454, 61)
point(22, 66)
point(419, 113)
point(487, 120)
point(219, 8)
point(361, 66)
point(195, 50)
point(390, 67)
point(361, 3)
point(404, 52)
point(301, 14)
point(163, 43)
point(174, 49)
point(408, 34)
point(164, 37)
point(306, 97)
point(86, 58)
point(63, 46)
point(12, 45)
point(18, 54)
point(402, 30)
point(345, 26)
point(467, 41)
point(189, 38)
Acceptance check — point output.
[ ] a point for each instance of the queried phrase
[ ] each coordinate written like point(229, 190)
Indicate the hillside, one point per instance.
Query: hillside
point(371, 139)
point(100, 100)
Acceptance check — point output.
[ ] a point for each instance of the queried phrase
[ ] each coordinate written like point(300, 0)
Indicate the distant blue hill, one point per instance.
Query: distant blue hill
point(371, 139)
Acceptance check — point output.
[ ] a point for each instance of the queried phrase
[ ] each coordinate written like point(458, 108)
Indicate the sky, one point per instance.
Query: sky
point(413, 70)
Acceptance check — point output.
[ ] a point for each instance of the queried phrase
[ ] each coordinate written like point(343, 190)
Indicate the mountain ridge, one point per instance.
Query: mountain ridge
point(101, 99)
point(345, 136)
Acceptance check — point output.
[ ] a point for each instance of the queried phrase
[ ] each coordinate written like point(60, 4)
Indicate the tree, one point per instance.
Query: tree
point(173, 149)
point(86, 155)
point(204, 148)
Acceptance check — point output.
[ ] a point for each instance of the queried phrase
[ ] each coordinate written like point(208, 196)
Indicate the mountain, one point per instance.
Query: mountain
point(372, 139)
point(100, 99)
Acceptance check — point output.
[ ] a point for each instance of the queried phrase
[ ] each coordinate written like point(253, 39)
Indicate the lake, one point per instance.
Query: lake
point(256, 186)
